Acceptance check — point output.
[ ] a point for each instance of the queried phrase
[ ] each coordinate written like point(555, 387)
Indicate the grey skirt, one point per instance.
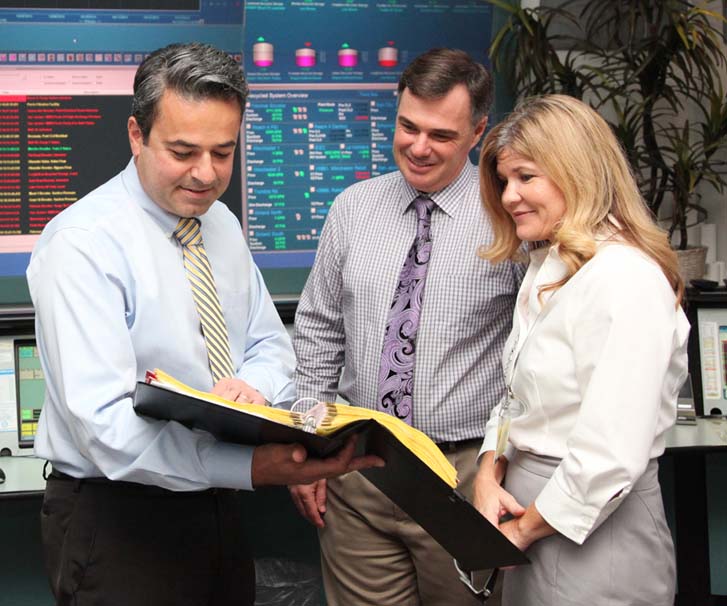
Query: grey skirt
point(628, 560)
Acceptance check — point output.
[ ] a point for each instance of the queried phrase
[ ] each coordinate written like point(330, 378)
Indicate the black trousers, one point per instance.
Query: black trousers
point(124, 544)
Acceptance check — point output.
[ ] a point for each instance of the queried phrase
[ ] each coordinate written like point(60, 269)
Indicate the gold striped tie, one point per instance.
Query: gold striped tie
point(199, 274)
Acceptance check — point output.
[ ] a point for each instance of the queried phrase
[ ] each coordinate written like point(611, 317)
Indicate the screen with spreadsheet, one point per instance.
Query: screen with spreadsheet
point(30, 390)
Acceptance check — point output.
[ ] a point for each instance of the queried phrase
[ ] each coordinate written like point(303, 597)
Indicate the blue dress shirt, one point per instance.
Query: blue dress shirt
point(112, 300)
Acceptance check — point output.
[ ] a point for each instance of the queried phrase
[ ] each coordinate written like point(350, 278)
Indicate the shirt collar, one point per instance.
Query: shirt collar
point(548, 266)
point(449, 198)
point(166, 220)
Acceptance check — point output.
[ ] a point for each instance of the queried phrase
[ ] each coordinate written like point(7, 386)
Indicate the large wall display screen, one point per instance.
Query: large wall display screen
point(320, 115)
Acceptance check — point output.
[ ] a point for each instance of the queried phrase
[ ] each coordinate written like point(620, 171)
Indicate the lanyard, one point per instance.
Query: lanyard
point(513, 406)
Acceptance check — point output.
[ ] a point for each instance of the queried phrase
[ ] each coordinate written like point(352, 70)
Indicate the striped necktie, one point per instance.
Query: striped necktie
point(199, 274)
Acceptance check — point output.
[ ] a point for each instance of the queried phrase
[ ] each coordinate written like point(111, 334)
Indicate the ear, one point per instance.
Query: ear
point(136, 139)
point(479, 129)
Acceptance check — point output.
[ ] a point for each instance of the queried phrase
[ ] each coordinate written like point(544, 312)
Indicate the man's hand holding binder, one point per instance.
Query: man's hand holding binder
point(289, 463)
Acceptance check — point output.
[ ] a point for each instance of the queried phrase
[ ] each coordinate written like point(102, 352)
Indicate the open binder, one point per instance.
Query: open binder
point(409, 481)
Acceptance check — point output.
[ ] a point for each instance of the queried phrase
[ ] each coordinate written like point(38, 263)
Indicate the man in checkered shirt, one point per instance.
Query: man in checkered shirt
point(372, 552)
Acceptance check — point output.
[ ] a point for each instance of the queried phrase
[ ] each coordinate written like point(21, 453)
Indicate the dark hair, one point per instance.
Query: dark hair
point(433, 74)
point(193, 70)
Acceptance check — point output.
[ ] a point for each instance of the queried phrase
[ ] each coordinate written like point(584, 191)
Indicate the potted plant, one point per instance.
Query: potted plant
point(652, 69)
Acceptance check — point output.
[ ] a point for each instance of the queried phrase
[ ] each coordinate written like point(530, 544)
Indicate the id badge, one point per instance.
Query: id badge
point(503, 430)
point(511, 408)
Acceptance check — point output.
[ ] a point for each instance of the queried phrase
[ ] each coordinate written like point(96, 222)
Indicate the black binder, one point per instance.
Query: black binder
point(442, 511)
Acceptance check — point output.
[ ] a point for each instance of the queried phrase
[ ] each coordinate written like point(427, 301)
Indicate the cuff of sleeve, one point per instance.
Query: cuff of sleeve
point(571, 518)
point(229, 466)
point(491, 444)
point(483, 450)
point(490, 441)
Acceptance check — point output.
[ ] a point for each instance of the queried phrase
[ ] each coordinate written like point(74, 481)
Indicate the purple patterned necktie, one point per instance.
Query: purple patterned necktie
point(396, 374)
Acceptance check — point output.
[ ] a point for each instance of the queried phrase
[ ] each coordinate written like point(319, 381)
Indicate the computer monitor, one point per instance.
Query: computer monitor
point(29, 390)
point(708, 352)
point(10, 333)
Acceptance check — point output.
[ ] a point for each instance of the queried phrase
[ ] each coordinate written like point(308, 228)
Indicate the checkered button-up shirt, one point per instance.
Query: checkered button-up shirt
point(465, 318)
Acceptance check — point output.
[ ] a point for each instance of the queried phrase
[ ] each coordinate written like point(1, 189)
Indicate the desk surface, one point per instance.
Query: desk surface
point(23, 475)
point(708, 434)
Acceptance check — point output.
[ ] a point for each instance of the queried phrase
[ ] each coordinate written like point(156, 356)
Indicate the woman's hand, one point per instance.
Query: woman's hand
point(491, 499)
point(524, 530)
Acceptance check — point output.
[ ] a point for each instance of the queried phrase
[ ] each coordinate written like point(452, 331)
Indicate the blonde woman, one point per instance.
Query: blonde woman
point(593, 365)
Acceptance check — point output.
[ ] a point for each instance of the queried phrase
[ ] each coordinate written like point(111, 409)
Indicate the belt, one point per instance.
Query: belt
point(134, 487)
point(455, 445)
point(59, 475)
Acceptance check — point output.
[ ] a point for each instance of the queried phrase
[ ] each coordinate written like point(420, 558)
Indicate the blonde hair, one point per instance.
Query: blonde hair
point(576, 149)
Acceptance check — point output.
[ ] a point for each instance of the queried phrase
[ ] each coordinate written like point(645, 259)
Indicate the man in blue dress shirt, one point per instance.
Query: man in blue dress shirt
point(139, 511)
